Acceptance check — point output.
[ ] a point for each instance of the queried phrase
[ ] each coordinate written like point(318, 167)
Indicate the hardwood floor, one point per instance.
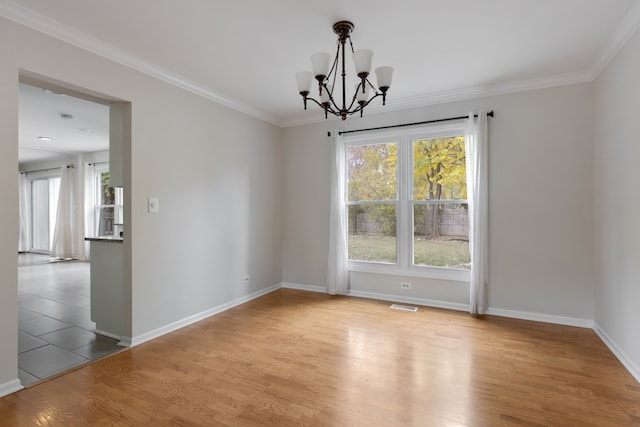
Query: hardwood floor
point(294, 358)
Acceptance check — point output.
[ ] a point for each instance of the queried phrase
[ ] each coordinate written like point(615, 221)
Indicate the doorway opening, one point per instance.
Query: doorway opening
point(63, 153)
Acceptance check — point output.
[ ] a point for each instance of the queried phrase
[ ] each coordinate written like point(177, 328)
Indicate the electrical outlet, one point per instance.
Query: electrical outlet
point(405, 285)
point(246, 278)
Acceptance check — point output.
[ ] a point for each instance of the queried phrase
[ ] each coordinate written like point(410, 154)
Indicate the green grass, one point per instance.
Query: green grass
point(437, 253)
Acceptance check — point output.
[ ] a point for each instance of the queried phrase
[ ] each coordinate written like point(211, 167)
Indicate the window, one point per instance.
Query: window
point(372, 199)
point(108, 204)
point(407, 202)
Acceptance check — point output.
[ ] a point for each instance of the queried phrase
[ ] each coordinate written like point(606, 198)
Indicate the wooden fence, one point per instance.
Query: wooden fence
point(453, 222)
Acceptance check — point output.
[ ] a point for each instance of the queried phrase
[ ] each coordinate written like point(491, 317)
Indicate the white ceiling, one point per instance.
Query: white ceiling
point(40, 116)
point(244, 53)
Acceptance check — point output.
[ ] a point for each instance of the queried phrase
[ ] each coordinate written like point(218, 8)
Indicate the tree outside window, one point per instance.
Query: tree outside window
point(434, 199)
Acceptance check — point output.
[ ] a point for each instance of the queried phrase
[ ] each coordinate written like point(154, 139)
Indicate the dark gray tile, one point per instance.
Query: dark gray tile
point(28, 342)
point(46, 361)
point(26, 378)
point(75, 300)
point(61, 311)
point(50, 293)
point(82, 320)
point(25, 296)
point(24, 315)
point(38, 303)
point(70, 338)
point(42, 325)
point(77, 288)
point(102, 347)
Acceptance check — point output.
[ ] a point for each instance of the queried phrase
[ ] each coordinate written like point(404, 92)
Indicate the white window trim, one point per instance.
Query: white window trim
point(404, 238)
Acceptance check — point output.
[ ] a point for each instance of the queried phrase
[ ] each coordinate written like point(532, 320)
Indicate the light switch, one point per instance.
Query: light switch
point(153, 205)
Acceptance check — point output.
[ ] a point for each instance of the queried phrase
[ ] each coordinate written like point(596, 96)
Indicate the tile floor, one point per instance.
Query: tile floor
point(55, 331)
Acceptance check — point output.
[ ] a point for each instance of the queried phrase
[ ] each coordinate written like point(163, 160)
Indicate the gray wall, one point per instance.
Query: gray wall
point(540, 203)
point(217, 172)
point(617, 174)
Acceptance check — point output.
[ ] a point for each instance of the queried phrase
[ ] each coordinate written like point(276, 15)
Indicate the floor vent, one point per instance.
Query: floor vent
point(404, 307)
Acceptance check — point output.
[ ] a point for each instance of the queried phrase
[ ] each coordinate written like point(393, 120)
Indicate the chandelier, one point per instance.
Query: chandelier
point(326, 74)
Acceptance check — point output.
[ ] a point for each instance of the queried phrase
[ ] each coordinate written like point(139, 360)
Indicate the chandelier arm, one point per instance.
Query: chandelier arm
point(333, 101)
point(333, 108)
point(361, 107)
point(319, 104)
point(330, 109)
point(326, 107)
point(375, 90)
point(353, 101)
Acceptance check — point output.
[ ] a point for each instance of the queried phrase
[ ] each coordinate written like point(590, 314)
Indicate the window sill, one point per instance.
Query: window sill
point(453, 274)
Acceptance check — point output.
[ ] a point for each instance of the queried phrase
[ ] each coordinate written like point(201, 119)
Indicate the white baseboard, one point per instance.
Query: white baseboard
point(410, 300)
point(622, 357)
point(382, 297)
point(13, 386)
point(540, 317)
point(10, 387)
point(125, 342)
point(122, 341)
point(310, 288)
point(139, 339)
point(536, 317)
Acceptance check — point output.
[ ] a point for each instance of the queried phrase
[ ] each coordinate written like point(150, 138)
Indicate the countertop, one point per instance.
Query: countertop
point(115, 239)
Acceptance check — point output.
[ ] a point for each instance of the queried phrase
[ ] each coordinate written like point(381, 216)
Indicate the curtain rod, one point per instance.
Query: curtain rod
point(489, 114)
point(48, 169)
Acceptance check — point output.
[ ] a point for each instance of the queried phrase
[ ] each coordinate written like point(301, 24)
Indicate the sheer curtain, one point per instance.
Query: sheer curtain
point(476, 148)
point(338, 274)
point(63, 244)
point(23, 206)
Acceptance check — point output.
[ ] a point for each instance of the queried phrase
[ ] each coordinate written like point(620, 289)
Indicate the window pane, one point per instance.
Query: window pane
point(441, 235)
point(118, 213)
point(372, 172)
point(107, 193)
point(372, 233)
point(105, 221)
point(439, 169)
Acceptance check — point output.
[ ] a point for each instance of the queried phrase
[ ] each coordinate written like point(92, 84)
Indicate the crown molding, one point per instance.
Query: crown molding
point(627, 28)
point(28, 18)
point(42, 24)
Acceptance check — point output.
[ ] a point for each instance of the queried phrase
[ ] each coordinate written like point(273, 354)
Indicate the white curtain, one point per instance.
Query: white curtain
point(338, 273)
point(63, 244)
point(23, 206)
point(476, 147)
point(89, 206)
